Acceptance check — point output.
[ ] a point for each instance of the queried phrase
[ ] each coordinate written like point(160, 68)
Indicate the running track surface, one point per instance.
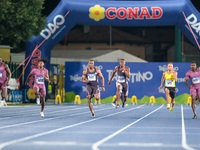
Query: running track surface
point(70, 127)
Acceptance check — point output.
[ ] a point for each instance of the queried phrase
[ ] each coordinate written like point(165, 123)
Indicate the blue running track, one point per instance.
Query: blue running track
point(70, 127)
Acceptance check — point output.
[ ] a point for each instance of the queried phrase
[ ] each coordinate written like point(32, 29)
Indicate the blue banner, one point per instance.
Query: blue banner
point(145, 78)
point(16, 96)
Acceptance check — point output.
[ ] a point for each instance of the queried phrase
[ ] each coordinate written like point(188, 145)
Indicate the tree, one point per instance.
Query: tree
point(19, 21)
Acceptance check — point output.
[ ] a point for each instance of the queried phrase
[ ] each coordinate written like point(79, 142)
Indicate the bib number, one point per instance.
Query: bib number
point(169, 83)
point(195, 80)
point(92, 77)
point(121, 79)
point(0, 74)
point(40, 80)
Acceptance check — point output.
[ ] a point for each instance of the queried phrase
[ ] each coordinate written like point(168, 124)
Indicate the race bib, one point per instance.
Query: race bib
point(0, 74)
point(121, 79)
point(92, 77)
point(195, 80)
point(169, 83)
point(40, 80)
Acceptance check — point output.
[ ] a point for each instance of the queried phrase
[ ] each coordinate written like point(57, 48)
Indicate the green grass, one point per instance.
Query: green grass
point(21, 104)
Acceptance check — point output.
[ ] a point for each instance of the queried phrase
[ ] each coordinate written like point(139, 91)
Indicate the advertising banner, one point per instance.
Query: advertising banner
point(144, 82)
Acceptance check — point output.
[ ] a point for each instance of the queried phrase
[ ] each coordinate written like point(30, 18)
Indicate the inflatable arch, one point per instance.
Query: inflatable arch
point(68, 13)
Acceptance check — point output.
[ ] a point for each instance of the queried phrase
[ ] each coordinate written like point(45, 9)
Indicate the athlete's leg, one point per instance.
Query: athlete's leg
point(36, 91)
point(193, 105)
point(193, 93)
point(172, 95)
point(96, 93)
point(42, 101)
point(90, 104)
point(118, 94)
point(173, 102)
point(3, 93)
point(124, 101)
point(167, 97)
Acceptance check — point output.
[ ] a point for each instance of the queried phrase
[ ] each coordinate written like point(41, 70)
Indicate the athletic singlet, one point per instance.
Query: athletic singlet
point(169, 80)
point(92, 77)
point(39, 79)
point(2, 72)
point(121, 77)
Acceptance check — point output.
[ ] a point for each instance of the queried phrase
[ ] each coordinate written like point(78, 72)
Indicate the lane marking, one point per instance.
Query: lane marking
point(121, 144)
point(184, 140)
point(19, 115)
point(2, 145)
point(36, 121)
point(97, 144)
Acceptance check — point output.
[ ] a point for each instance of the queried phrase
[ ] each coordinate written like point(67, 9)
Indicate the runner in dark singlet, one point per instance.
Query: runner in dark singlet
point(90, 76)
point(123, 72)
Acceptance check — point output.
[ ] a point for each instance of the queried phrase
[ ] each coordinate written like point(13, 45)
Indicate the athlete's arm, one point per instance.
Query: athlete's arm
point(186, 83)
point(115, 70)
point(84, 77)
point(46, 77)
point(27, 79)
point(175, 75)
point(162, 80)
point(8, 72)
point(102, 79)
point(127, 72)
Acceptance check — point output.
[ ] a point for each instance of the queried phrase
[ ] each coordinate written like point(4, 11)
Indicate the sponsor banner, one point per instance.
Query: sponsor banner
point(16, 96)
point(145, 78)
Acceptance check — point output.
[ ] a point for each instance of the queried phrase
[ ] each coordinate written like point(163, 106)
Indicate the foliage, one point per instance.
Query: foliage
point(20, 20)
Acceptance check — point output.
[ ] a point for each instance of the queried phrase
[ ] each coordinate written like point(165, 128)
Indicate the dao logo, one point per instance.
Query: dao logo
point(192, 20)
point(129, 13)
point(46, 33)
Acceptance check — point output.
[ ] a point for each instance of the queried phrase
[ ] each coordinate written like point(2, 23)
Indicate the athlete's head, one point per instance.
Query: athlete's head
point(170, 66)
point(193, 66)
point(122, 62)
point(41, 62)
point(91, 63)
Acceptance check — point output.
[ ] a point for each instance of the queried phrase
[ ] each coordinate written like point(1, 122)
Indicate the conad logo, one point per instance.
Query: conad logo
point(129, 13)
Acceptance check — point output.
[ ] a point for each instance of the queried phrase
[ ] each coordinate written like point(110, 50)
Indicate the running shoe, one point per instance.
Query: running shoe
point(168, 106)
point(42, 114)
point(195, 117)
point(93, 115)
point(117, 106)
point(113, 104)
point(38, 100)
point(171, 108)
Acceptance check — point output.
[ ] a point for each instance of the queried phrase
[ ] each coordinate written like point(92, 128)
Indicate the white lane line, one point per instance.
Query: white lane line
point(36, 121)
point(141, 144)
point(97, 144)
point(112, 145)
point(13, 112)
point(184, 140)
point(19, 115)
point(37, 114)
point(2, 145)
